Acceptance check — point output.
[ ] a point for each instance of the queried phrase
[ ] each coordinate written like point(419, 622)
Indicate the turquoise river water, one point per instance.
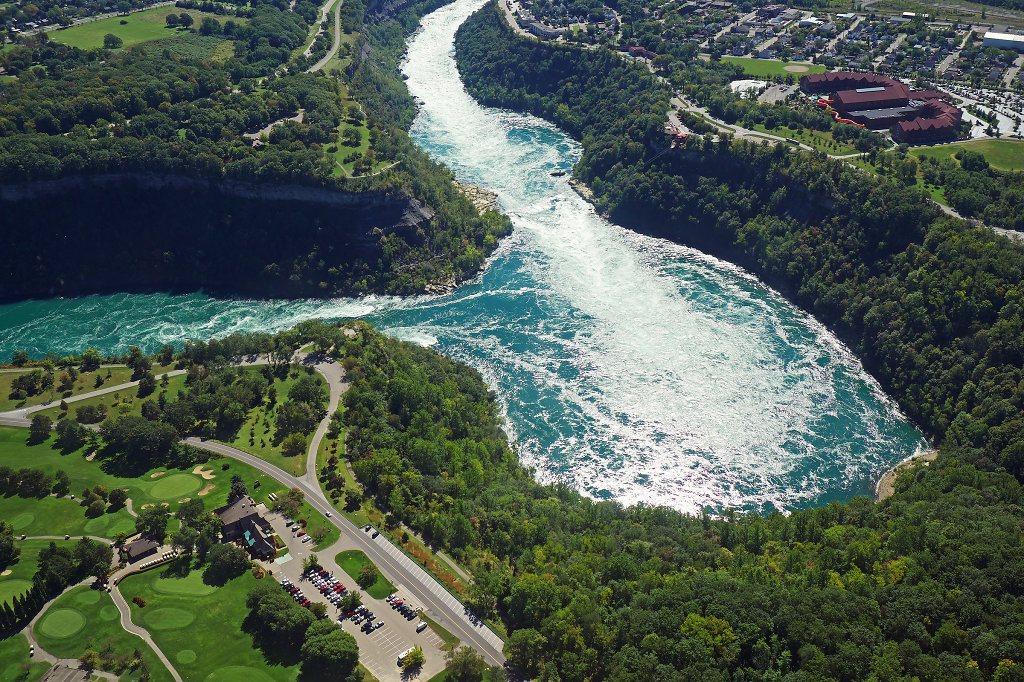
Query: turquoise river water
point(628, 367)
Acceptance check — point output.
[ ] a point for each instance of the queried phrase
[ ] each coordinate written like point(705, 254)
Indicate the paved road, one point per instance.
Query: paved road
point(337, 37)
point(392, 562)
point(337, 383)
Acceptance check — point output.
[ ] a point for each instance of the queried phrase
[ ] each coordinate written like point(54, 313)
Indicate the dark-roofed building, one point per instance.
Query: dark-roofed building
point(140, 549)
point(937, 120)
point(242, 523)
point(887, 96)
point(834, 81)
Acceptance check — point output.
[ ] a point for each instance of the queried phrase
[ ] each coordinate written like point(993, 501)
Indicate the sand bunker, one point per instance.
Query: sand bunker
point(184, 500)
point(795, 68)
point(145, 506)
point(91, 457)
point(199, 471)
point(207, 489)
point(158, 473)
point(165, 504)
point(7, 572)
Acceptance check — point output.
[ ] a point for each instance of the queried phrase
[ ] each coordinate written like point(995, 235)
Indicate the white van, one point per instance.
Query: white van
point(421, 627)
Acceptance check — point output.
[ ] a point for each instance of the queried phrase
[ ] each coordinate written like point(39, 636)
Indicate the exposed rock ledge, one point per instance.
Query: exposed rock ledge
point(483, 199)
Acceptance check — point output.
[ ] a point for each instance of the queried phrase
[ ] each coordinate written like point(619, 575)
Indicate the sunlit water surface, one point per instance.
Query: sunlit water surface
point(627, 366)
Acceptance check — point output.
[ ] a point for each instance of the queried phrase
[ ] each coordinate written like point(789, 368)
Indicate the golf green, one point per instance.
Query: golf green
point(86, 598)
point(62, 623)
point(168, 618)
point(185, 656)
point(108, 525)
point(11, 588)
point(109, 613)
point(174, 486)
point(22, 520)
point(191, 585)
point(238, 673)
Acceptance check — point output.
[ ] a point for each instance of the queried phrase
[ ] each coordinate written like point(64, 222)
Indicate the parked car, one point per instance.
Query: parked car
point(421, 627)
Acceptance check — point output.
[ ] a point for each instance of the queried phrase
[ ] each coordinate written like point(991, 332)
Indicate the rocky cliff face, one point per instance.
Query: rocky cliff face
point(127, 231)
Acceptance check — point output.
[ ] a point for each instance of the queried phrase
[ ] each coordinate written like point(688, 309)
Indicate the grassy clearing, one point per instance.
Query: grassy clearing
point(86, 382)
point(257, 433)
point(53, 516)
point(352, 560)
point(770, 67)
point(85, 619)
point(20, 579)
point(149, 24)
point(1002, 154)
point(211, 641)
point(123, 401)
point(820, 140)
point(15, 663)
point(344, 151)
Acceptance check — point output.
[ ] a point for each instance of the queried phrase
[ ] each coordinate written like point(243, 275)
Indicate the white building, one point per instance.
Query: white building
point(1005, 41)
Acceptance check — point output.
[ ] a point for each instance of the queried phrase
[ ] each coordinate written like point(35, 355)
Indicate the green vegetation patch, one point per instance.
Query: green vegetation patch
point(53, 516)
point(770, 67)
point(227, 652)
point(15, 663)
point(352, 560)
point(13, 588)
point(61, 623)
point(168, 618)
point(175, 486)
point(150, 24)
point(1002, 154)
point(84, 383)
point(78, 621)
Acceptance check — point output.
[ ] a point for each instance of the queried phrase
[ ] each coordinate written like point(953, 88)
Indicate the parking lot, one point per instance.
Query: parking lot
point(378, 650)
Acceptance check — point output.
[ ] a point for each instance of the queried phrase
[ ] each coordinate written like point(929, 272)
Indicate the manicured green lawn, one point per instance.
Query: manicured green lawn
point(352, 560)
point(123, 401)
point(15, 663)
point(1001, 154)
point(86, 382)
point(149, 24)
point(199, 627)
point(20, 579)
point(52, 516)
point(85, 619)
point(815, 138)
point(257, 433)
point(771, 67)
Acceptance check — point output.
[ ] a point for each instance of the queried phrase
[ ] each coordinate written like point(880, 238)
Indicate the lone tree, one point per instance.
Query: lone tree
point(367, 575)
point(185, 19)
point(152, 522)
point(465, 665)
point(112, 42)
point(414, 659)
point(329, 653)
point(40, 428)
point(238, 489)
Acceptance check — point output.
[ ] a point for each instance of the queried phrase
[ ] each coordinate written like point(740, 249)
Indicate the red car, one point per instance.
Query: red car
point(301, 533)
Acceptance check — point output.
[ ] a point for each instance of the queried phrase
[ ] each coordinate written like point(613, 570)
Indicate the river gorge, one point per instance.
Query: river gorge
point(628, 367)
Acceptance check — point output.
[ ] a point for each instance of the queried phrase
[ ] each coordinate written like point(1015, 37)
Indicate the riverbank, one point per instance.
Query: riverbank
point(887, 484)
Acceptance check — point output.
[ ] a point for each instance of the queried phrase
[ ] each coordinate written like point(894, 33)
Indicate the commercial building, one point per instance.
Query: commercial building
point(242, 523)
point(1004, 41)
point(878, 102)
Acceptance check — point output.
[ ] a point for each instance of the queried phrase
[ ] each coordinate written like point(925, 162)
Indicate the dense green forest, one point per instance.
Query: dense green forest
point(931, 305)
point(73, 112)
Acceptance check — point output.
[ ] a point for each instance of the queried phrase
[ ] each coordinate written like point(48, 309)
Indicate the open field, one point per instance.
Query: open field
point(15, 663)
point(1002, 154)
point(771, 67)
point(199, 627)
point(85, 619)
point(352, 560)
point(52, 516)
point(149, 24)
point(86, 382)
point(20, 579)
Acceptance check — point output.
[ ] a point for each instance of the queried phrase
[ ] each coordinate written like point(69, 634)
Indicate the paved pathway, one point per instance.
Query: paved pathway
point(337, 383)
point(337, 37)
point(128, 625)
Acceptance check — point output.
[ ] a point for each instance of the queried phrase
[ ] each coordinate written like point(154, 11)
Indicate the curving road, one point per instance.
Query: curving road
point(337, 39)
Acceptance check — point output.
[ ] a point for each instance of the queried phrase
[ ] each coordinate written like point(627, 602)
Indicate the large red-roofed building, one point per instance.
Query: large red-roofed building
point(879, 102)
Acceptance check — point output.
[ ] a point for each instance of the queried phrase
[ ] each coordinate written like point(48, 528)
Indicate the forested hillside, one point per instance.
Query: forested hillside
point(922, 586)
point(930, 304)
point(147, 110)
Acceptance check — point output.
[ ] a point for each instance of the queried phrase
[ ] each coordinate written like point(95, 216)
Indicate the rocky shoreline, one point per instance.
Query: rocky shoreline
point(886, 485)
point(483, 199)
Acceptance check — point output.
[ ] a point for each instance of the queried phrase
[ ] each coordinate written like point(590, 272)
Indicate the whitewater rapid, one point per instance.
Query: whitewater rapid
point(627, 367)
